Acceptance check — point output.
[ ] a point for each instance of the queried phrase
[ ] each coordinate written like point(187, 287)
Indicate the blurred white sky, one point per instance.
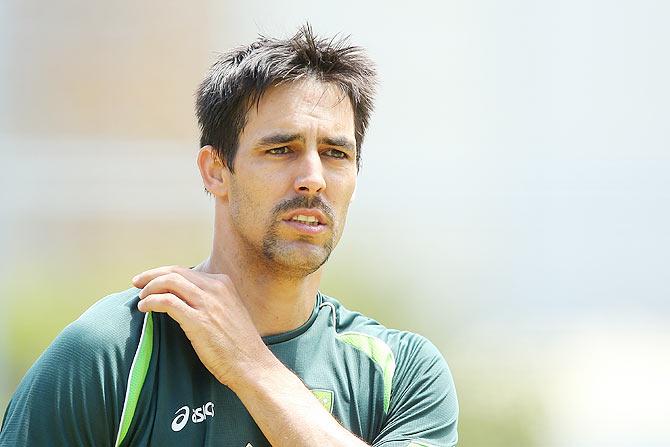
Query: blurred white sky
point(517, 171)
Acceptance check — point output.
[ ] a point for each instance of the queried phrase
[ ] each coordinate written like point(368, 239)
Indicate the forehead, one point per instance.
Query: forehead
point(305, 107)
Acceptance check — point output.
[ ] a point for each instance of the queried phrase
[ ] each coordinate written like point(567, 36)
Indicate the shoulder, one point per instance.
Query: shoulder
point(82, 375)
point(420, 401)
point(406, 359)
point(100, 344)
point(106, 333)
point(108, 322)
point(405, 346)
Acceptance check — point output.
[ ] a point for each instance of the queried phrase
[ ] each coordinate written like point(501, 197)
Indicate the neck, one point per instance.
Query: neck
point(276, 301)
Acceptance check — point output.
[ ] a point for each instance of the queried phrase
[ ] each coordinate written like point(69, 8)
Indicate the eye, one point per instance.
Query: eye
point(279, 150)
point(335, 153)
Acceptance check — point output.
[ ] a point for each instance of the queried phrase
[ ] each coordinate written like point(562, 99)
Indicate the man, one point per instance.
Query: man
point(244, 350)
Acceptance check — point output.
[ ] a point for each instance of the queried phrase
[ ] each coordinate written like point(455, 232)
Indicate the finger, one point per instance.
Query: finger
point(167, 303)
point(206, 281)
point(176, 284)
point(201, 279)
point(140, 280)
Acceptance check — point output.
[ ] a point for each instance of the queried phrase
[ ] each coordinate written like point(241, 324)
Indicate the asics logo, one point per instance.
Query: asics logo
point(199, 414)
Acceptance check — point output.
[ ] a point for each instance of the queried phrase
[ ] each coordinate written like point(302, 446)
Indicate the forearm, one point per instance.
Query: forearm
point(288, 413)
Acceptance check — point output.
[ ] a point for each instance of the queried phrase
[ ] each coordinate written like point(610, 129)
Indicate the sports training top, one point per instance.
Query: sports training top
point(119, 377)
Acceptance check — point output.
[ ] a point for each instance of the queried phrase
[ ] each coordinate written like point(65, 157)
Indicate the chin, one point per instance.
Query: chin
point(300, 260)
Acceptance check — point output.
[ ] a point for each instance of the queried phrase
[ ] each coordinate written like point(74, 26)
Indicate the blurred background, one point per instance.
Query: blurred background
point(512, 205)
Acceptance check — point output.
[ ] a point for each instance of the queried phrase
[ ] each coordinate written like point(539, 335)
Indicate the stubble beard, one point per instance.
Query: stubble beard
point(293, 261)
point(295, 258)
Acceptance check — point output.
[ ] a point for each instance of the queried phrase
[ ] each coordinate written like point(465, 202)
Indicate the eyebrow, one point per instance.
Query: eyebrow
point(343, 142)
point(280, 138)
point(283, 138)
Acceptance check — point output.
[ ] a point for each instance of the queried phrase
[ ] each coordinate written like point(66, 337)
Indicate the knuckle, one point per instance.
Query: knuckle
point(172, 278)
point(164, 299)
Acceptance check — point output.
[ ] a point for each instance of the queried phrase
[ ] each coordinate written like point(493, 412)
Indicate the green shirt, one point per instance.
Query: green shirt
point(119, 377)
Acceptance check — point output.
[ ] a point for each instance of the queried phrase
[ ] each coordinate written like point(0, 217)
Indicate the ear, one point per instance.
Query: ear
point(213, 171)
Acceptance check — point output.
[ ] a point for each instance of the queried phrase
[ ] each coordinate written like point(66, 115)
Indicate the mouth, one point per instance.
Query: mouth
point(306, 227)
point(306, 221)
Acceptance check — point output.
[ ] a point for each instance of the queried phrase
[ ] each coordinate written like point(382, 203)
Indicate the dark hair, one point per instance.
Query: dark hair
point(238, 79)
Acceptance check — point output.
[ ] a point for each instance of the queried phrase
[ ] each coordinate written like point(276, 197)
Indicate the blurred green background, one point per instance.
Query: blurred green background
point(512, 202)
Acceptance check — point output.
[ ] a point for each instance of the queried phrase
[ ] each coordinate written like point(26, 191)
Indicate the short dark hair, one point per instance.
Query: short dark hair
point(239, 77)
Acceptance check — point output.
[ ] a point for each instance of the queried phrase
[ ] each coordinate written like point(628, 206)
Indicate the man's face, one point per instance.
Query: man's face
point(296, 152)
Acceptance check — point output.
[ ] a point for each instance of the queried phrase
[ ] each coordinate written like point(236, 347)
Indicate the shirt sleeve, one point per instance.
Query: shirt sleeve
point(73, 394)
point(423, 410)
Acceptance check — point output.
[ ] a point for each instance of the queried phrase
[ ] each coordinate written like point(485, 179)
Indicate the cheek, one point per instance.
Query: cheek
point(243, 202)
point(346, 191)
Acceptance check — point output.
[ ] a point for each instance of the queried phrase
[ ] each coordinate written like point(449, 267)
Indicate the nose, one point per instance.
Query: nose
point(310, 179)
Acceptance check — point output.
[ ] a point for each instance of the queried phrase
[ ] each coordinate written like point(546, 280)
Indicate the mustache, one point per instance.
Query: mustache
point(304, 202)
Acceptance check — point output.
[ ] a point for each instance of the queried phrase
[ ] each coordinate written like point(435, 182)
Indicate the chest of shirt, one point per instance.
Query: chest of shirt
point(181, 403)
